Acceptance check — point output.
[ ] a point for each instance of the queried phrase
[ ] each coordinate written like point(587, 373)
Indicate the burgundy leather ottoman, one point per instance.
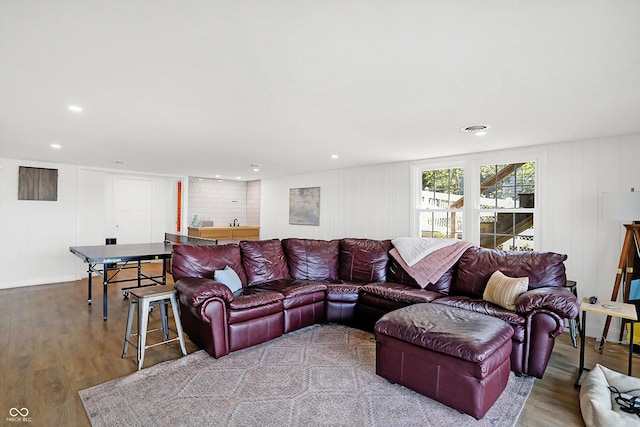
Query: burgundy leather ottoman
point(457, 357)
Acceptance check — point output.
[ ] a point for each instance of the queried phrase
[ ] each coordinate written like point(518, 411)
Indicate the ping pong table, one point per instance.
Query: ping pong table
point(115, 258)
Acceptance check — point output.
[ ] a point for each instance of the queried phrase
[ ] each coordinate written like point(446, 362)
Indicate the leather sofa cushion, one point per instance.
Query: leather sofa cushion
point(314, 298)
point(257, 313)
point(292, 288)
point(478, 264)
point(263, 260)
point(203, 261)
point(296, 292)
point(364, 260)
point(371, 307)
point(397, 274)
point(253, 296)
point(312, 259)
point(399, 292)
point(343, 288)
point(483, 307)
point(452, 331)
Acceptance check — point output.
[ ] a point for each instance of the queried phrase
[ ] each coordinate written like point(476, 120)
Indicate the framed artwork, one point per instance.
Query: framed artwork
point(304, 206)
point(37, 184)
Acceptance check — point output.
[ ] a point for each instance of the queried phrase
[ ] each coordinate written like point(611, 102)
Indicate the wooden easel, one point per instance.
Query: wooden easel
point(625, 267)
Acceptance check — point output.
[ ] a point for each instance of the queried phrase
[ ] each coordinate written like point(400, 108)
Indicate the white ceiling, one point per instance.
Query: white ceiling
point(196, 87)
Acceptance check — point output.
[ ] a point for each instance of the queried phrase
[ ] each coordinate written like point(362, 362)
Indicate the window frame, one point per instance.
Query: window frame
point(417, 184)
point(471, 210)
point(488, 211)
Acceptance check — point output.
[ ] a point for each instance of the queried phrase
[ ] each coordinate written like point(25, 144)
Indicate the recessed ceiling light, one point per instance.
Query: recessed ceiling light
point(334, 156)
point(238, 177)
point(255, 168)
point(56, 146)
point(217, 176)
point(119, 162)
point(477, 130)
point(75, 108)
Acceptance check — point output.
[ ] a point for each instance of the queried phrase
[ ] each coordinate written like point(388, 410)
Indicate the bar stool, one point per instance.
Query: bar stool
point(143, 298)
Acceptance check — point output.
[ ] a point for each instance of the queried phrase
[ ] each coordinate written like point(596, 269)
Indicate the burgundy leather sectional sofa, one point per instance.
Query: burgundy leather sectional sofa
point(292, 283)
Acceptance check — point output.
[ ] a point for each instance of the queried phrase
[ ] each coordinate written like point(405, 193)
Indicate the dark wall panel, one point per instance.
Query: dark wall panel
point(37, 184)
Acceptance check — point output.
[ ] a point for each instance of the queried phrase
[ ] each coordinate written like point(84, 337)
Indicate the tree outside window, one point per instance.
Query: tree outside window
point(441, 203)
point(507, 201)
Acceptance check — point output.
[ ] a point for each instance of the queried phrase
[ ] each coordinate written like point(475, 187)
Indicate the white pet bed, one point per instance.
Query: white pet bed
point(597, 402)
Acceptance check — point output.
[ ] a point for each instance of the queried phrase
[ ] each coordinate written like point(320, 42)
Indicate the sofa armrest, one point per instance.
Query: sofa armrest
point(557, 300)
point(193, 291)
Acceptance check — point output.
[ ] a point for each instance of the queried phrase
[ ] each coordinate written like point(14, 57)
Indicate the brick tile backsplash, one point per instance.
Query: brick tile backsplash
point(222, 201)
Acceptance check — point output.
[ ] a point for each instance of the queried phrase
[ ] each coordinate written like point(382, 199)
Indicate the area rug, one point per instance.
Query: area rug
point(320, 375)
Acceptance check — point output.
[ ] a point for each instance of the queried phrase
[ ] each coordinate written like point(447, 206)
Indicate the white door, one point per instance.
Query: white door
point(132, 200)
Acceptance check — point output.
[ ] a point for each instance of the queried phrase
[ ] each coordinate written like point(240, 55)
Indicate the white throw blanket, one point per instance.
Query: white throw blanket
point(431, 257)
point(413, 249)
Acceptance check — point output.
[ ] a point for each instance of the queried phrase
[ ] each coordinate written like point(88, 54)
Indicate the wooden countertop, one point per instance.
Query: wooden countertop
point(226, 227)
point(241, 232)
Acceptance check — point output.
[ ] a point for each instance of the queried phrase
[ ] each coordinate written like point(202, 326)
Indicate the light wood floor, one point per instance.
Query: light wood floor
point(52, 344)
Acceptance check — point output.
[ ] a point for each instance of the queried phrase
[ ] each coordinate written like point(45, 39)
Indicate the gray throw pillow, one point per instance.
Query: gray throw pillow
point(228, 277)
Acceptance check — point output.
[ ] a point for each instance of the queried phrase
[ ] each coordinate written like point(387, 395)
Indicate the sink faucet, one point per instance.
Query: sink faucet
point(236, 223)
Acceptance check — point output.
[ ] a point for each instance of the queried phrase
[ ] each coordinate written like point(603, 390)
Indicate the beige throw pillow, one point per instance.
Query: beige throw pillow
point(504, 290)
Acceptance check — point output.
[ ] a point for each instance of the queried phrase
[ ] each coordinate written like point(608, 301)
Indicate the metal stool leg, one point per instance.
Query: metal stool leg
point(127, 334)
point(164, 317)
point(578, 323)
point(572, 332)
point(143, 322)
point(572, 286)
point(176, 318)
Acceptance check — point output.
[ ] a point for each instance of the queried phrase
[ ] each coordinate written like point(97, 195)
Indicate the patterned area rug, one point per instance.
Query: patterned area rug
point(320, 375)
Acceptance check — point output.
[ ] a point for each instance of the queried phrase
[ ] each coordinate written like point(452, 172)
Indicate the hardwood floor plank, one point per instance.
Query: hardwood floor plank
point(52, 344)
point(18, 372)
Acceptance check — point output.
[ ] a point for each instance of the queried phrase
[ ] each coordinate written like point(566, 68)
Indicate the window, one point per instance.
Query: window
point(507, 198)
point(499, 205)
point(441, 203)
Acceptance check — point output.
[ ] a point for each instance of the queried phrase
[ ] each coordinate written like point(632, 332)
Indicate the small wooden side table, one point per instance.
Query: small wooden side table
point(607, 308)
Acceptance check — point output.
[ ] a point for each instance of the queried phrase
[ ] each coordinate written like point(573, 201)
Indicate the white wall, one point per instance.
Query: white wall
point(253, 202)
point(374, 202)
point(579, 172)
point(36, 235)
point(370, 201)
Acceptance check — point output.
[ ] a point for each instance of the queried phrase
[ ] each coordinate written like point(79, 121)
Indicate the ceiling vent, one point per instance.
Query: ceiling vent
point(476, 129)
